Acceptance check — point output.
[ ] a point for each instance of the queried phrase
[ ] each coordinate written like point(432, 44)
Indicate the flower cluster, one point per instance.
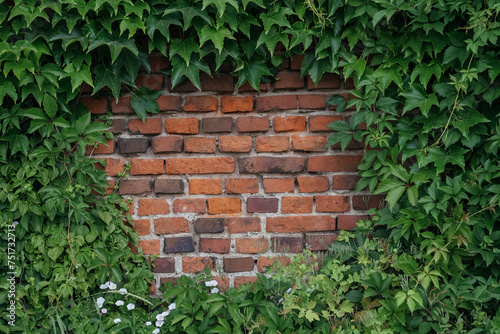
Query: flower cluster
point(160, 318)
point(101, 300)
point(212, 284)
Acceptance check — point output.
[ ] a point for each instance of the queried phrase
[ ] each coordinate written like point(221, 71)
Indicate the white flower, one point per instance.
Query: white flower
point(130, 306)
point(289, 289)
point(156, 331)
point(172, 306)
point(100, 301)
point(148, 323)
point(279, 301)
point(211, 283)
point(117, 320)
point(159, 323)
point(119, 303)
point(123, 291)
point(103, 286)
point(104, 311)
point(112, 286)
point(214, 290)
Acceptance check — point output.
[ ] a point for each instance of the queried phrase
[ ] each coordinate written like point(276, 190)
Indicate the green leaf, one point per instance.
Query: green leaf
point(272, 39)
point(418, 98)
point(314, 67)
point(78, 76)
point(276, 16)
point(220, 4)
point(299, 35)
point(184, 48)
point(106, 77)
point(19, 144)
point(252, 71)
point(440, 157)
point(394, 195)
point(7, 88)
point(189, 11)
point(453, 53)
point(425, 72)
point(468, 118)
point(50, 105)
point(115, 45)
point(144, 101)
point(192, 71)
point(217, 36)
point(161, 24)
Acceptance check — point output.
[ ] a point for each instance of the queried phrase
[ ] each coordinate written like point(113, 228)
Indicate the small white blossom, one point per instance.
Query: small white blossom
point(119, 303)
point(104, 311)
point(279, 301)
point(123, 291)
point(214, 290)
point(172, 306)
point(160, 317)
point(148, 323)
point(130, 306)
point(112, 286)
point(289, 289)
point(211, 283)
point(156, 331)
point(103, 286)
point(100, 301)
point(159, 323)
point(117, 320)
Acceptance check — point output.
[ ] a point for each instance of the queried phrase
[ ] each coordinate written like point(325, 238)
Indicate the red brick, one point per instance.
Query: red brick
point(209, 225)
point(107, 148)
point(142, 226)
point(165, 280)
point(312, 101)
point(96, 106)
point(252, 124)
point(166, 144)
point(199, 165)
point(282, 102)
point(344, 182)
point(365, 202)
point(296, 204)
point(196, 263)
point(319, 123)
point(333, 203)
point(146, 166)
point(182, 125)
point(158, 63)
point(271, 165)
point(224, 205)
point(266, 261)
point(164, 265)
point(273, 144)
point(251, 245)
point(235, 143)
point(135, 186)
point(293, 224)
point(289, 123)
point(262, 205)
point(236, 104)
point(309, 143)
point(327, 81)
point(243, 224)
point(205, 186)
point(150, 246)
point(234, 265)
point(242, 186)
point(190, 205)
point(149, 127)
point(201, 103)
point(217, 124)
point(171, 225)
point(153, 206)
point(287, 80)
point(218, 83)
point(133, 145)
point(287, 244)
point(215, 245)
point(317, 242)
point(151, 81)
point(263, 87)
point(113, 166)
point(348, 222)
point(312, 184)
point(334, 163)
point(296, 62)
point(241, 280)
point(199, 145)
point(169, 103)
point(279, 185)
point(184, 86)
point(118, 125)
point(123, 106)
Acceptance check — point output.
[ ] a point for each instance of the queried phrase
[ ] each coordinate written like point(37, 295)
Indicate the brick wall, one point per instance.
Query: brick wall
point(229, 177)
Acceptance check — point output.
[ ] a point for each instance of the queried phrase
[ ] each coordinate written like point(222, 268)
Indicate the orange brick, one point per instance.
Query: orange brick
point(283, 102)
point(151, 81)
point(293, 224)
point(242, 186)
point(190, 205)
point(169, 102)
point(312, 184)
point(215, 245)
point(130, 204)
point(252, 124)
point(149, 127)
point(309, 143)
point(286, 80)
point(201, 104)
point(146, 166)
point(182, 125)
point(235, 143)
point(171, 225)
point(333, 203)
point(251, 245)
point(150, 246)
point(344, 182)
point(153, 206)
point(273, 144)
point(142, 226)
point(264, 262)
point(281, 185)
point(205, 186)
point(199, 145)
point(327, 81)
point(321, 241)
point(194, 264)
point(224, 205)
point(319, 123)
point(236, 104)
point(289, 123)
point(107, 148)
point(241, 280)
point(243, 224)
point(296, 204)
point(334, 163)
point(199, 165)
point(113, 166)
point(122, 106)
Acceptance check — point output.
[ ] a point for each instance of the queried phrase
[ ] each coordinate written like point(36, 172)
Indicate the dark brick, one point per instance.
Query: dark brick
point(262, 205)
point(217, 124)
point(348, 222)
point(287, 244)
point(365, 202)
point(169, 186)
point(133, 145)
point(179, 245)
point(209, 225)
point(135, 187)
point(218, 83)
point(321, 241)
point(119, 125)
point(165, 280)
point(164, 265)
point(167, 144)
point(271, 165)
point(235, 265)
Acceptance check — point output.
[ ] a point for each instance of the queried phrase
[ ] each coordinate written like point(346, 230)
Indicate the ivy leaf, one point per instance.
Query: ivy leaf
point(418, 98)
point(300, 34)
point(67, 38)
point(189, 11)
point(467, 120)
point(144, 101)
point(272, 39)
point(19, 143)
point(184, 48)
point(388, 105)
point(276, 16)
point(259, 3)
point(131, 63)
point(106, 77)
point(220, 4)
point(113, 3)
point(162, 24)
point(132, 24)
point(116, 45)
point(252, 72)
point(355, 65)
point(50, 105)
point(314, 67)
point(7, 88)
point(440, 157)
point(425, 72)
point(217, 36)
point(453, 53)
point(181, 69)
point(78, 76)
point(388, 75)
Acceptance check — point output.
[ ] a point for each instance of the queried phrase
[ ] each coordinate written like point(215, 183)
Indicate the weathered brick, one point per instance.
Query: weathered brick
point(293, 224)
point(167, 144)
point(190, 205)
point(296, 204)
point(334, 163)
point(163, 265)
point(271, 165)
point(171, 225)
point(165, 280)
point(184, 86)
point(243, 224)
point(296, 62)
point(153, 206)
point(205, 186)
point(217, 124)
point(309, 143)
point(146, 166)
point(278, 185)
point(262, 205)
point(235, 143)
point(186, 126)
point(317, 242)
point(194, 264)
point(353, 145)
point(178, 245)
point(348, 222)
point(151, 81)
point(118, 125)
point(201, 104)
point(239, 264)
point(149, 127)
point(333, 203)
point(263, 87)
point(113, 166)
point(312, 184)
point(142, 226)
point(107, 148)
point(135, 186)
point(123, 106)
point(236, 104)
point(242, 186)
point(281, 102)
point(344, 182)
point(130, 204)
point(169, 186)
point(266, 261)
point(199, 165)
point(273, 144)
point(133, 145)
point(289, 123)
point(287, 244)
point(252, 124)
point(150, 247)
point(287, 80)
point(158, 63)
point(365, 202)
point(251, 245)
point(219, 83)
point(215, 245)
point(199, 145)
point(169, 103)
point(349, 84)
point(327, 81)
point(224, 205)
point(96, 106)
point(319, 123)
point(209, 225)
point(242, 280)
